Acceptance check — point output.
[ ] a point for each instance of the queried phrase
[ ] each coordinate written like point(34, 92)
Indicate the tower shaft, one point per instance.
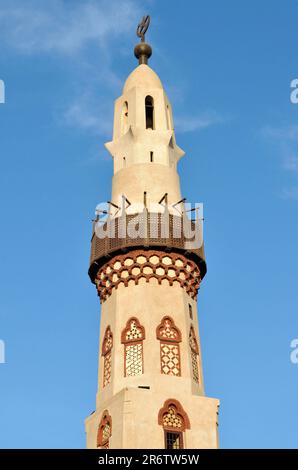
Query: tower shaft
point(147, 271)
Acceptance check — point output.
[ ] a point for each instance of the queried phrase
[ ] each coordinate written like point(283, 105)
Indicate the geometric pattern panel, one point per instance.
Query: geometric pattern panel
point(134, 332)
point(173, 417)
point(104, 431)
point(132, 337)
point(172, 420)
point(107, 368)
point(193, 340)
point(168, 331)
point(170, 359)
point(106, 352)
point(133, 359)
point(166, 268)
point(107, 342)
point(195, 369)
point(194, 352)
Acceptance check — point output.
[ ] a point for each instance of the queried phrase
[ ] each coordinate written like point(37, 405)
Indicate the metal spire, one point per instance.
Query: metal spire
point(142, 50)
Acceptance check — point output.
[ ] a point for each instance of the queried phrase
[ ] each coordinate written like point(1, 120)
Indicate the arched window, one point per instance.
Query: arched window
point(169, 123)
point(106, 352)
point(170, 337)
point(124, 118)
point(104, 431)
point(190, 311)
point(132, 337)
point(149, 110)
point(194, 352)
point(174, 421)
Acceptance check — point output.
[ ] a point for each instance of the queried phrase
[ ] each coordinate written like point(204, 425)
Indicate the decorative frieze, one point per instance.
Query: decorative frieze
point(152, 265)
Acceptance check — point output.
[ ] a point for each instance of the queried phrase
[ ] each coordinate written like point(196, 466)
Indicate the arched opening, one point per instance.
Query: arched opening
point(190, 311)
point(149, 110)
point(170, 337)
point(194, 353)
point(169, 122)
point(132, 337)
point(124, 118)
point(104, 431)
point(174, 421)
point(106, 352)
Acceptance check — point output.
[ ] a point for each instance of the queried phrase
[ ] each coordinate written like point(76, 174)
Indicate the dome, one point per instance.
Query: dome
point(142, 76)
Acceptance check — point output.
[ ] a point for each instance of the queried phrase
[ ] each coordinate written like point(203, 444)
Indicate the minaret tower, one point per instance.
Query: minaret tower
point(147, 270)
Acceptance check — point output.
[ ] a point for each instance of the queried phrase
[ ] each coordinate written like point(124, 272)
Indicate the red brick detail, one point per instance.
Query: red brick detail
point(194, 353)
point(168, 331)
point(133, 332)
point(170, 337)
point(106, 352)
point(107, 342)
point(193, 340)
point(124, 268)
point(132, 337)
point(104, 431)
point(172, 416)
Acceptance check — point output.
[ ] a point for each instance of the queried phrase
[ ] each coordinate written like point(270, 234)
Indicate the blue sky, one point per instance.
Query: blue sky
point(227, 68)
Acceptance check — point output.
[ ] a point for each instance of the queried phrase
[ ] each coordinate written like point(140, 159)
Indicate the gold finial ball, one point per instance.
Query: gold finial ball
point(142, 52)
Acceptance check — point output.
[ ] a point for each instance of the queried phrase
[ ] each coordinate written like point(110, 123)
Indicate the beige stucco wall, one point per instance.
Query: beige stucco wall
point(135, 425)
point(134, 411)
point(155, 179)
point(132, 144)
point(149, 302)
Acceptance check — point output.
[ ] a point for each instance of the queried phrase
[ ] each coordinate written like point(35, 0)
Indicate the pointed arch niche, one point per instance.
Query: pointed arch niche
point(194, 353)
point(170, 337)
point(132, 337)
point(149, 112)
point(106, 352)
point(169, 120)
point(124, 118)
point(174, 421)
point(104, 431)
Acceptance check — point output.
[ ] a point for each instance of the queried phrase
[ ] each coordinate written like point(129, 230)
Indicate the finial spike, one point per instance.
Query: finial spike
point(142, 50)
point(143, 27)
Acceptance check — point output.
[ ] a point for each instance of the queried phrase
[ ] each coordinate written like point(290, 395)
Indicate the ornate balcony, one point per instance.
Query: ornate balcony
point(150, 231)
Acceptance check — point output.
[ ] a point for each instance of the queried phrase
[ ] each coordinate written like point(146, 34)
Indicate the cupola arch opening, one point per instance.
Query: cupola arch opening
point(149, 112)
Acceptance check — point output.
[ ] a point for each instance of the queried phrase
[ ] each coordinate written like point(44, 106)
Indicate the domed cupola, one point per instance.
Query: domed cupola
point(144, 147)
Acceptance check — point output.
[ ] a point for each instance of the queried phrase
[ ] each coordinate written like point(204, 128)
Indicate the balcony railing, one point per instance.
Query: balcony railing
point(147, 230)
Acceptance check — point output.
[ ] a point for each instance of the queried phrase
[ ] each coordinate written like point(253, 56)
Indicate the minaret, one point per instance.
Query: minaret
point(147, 274)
